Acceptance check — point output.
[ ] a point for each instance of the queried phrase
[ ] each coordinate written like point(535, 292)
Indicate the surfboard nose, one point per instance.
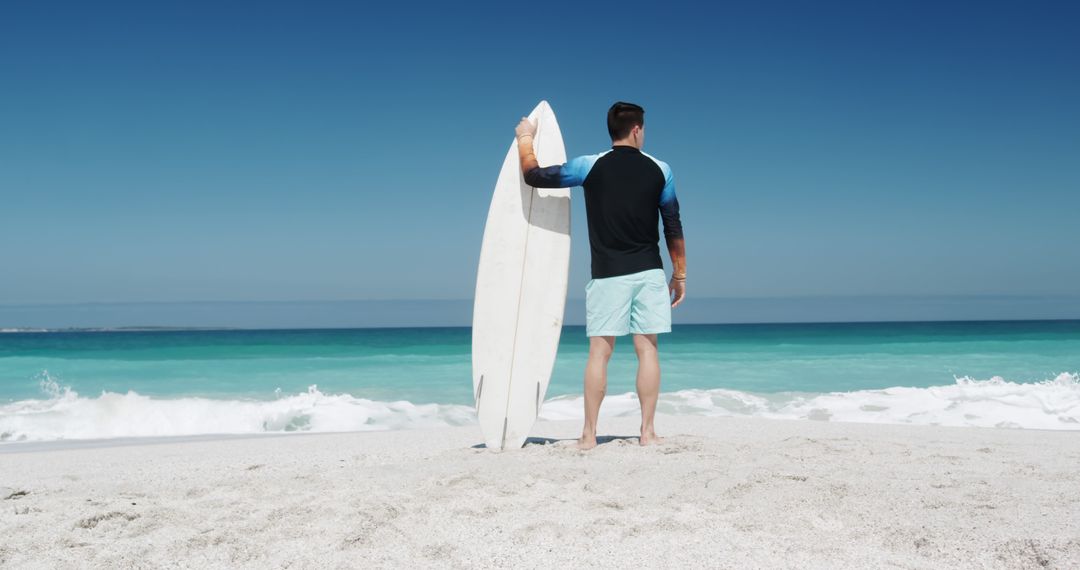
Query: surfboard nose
point(541, 108)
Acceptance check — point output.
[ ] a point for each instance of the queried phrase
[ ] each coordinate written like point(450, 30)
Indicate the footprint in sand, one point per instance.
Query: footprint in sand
point(92, 522)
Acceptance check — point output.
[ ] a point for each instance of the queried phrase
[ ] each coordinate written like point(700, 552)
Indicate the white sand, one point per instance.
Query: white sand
point(719, 493)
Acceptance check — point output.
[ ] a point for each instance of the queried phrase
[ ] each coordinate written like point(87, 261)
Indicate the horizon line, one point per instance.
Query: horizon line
point(470, 299)
point(166, 328)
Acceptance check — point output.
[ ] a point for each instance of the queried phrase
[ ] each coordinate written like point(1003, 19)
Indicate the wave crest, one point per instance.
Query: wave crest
point(1050, 404)
point(65, 415)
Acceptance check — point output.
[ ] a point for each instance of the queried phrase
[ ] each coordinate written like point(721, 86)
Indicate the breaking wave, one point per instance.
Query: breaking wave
point(65, 415)
point(1051, 404)
point(62, 414)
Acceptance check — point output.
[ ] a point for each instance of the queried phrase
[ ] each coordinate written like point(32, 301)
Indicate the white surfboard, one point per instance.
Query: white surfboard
point(520, 292)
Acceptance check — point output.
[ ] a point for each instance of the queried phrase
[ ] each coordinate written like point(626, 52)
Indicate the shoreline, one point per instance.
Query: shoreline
point(67, 418)
point(17, 447)
point(719, 492)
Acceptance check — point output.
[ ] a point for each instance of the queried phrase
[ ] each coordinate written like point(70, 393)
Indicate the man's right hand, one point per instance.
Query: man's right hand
point(525, 127)
point(677, 289)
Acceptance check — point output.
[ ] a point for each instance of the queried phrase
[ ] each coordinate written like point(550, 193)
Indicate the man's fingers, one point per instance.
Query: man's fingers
point(680, 294)
point(676, 292)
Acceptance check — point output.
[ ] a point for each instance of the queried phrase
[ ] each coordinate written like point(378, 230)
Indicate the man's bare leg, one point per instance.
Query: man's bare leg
point(600, 349)
point(648, 384)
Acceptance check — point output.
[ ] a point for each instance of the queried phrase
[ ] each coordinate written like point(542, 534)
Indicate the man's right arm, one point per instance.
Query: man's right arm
point(572, 173)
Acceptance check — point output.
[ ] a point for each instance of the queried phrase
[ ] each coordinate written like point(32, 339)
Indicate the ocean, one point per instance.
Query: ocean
point(75, 385)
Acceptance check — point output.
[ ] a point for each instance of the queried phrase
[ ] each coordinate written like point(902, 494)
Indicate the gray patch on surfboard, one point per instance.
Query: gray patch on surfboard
point(538, 398)
point(502, 441)
point(479, 389)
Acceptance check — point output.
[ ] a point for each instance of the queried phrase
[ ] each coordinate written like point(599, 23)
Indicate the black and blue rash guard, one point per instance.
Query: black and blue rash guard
point(626, 194)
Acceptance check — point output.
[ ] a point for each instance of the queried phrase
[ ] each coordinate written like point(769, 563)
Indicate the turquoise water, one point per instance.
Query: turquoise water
point(52, 373)
point(434, 364)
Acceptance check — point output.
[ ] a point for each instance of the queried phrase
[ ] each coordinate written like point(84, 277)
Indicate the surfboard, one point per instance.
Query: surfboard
point(520, 292)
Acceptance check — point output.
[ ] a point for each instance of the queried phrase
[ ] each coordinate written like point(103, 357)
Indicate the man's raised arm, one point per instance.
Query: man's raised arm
point(558, 176)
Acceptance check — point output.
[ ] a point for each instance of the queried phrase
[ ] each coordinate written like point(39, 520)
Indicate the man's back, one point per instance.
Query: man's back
point(626, 192)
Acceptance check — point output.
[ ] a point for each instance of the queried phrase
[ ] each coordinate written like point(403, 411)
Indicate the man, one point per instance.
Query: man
point(627, 192)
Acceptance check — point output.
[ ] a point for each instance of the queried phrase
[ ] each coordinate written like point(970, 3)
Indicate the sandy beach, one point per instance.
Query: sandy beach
point(719, 492)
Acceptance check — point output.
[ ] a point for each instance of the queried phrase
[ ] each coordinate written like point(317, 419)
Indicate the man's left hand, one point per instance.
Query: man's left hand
point(677, 288)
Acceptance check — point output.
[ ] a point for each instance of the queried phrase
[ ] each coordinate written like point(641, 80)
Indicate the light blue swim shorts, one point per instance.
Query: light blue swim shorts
point(638, 303)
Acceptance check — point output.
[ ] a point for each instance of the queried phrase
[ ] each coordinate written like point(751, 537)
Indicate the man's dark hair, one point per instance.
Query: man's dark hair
point(622, 118)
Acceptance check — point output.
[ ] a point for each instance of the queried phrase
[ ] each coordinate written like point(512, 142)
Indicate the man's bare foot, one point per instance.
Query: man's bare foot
point(586, 442)
point(650, 438)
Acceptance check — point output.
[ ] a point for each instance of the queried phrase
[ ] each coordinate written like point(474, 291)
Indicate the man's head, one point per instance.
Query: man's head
point(626, 124)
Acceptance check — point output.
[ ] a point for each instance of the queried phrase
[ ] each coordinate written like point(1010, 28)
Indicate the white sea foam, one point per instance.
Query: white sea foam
point(65, 415)
point(1051, 404)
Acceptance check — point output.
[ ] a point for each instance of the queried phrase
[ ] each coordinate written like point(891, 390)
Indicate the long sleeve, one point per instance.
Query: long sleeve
point(669, 207)
point(573, 173)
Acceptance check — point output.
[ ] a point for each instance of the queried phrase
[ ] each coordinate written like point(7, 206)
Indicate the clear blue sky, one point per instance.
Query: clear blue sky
point(189, 151)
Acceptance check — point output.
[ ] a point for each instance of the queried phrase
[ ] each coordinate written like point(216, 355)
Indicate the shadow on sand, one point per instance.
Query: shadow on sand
point(600, 440)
